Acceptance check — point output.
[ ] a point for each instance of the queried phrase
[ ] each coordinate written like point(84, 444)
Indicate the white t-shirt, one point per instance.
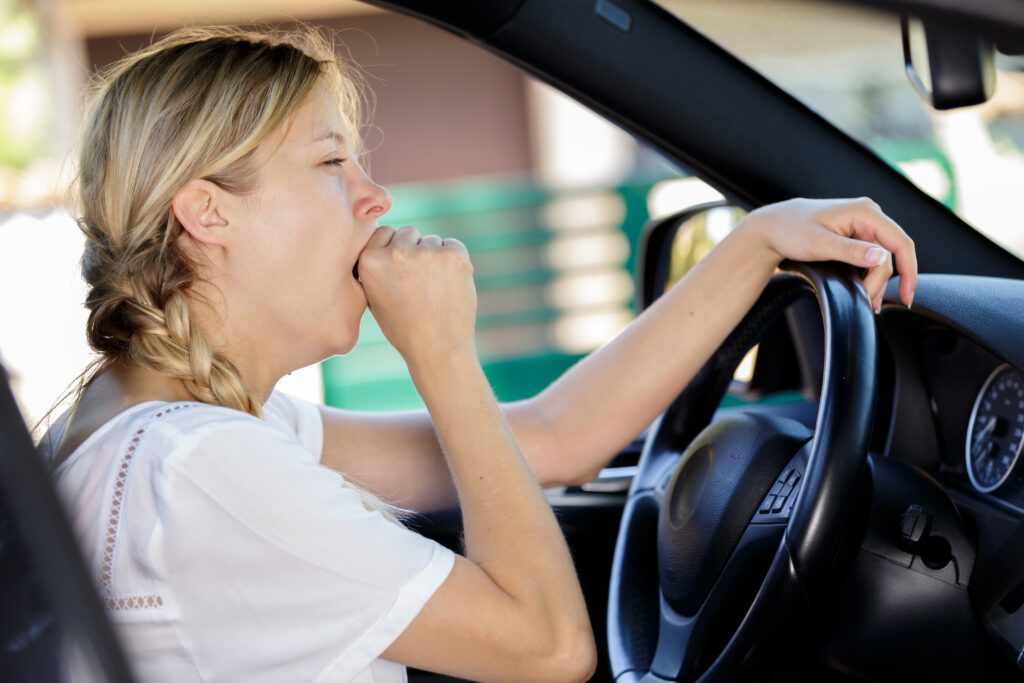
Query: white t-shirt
point(225, 552)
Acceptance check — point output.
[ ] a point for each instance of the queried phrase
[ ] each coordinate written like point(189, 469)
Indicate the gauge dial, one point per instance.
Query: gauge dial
point(996, 431)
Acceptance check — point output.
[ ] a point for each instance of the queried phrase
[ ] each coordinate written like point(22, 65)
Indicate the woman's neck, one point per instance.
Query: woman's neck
point(133, 384)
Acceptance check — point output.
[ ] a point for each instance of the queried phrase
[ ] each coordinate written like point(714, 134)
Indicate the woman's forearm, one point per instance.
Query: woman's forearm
point(510, 530)
point(610, 396)
point(584, 418)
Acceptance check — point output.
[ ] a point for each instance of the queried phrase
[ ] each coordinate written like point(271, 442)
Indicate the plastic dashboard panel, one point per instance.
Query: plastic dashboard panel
point(960, 330)
point(985, 309)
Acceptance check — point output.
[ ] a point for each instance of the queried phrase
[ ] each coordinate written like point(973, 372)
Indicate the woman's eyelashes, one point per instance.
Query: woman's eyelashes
point(335, 161)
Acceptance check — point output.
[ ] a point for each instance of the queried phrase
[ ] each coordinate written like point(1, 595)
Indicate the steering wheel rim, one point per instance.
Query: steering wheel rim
point(643, 643)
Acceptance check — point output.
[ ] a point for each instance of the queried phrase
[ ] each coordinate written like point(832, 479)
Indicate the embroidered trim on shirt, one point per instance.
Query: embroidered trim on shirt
point(135, 602)
point(113, 522)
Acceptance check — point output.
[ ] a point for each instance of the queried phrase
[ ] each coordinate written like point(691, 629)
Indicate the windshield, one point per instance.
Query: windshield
point(847, 64)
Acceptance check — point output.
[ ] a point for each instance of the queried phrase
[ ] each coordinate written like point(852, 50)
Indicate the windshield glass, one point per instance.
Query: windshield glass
point(847, 64)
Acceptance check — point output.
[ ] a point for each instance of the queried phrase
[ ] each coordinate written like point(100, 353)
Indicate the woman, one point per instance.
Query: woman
point(238, 534)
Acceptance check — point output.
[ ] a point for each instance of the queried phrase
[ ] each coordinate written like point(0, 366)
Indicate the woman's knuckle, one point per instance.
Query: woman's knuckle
point(867, 201)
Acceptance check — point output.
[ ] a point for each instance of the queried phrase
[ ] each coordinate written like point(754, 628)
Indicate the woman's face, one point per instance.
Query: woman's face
point(303, 228)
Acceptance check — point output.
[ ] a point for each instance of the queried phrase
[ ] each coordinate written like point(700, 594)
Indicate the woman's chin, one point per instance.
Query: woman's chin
point(344, 345)
point(342, 350)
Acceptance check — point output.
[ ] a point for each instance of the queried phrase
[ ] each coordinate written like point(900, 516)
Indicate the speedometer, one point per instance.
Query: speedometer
point(996, 432)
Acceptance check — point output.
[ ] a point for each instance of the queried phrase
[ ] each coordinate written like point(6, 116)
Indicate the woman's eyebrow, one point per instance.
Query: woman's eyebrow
point(330, 135)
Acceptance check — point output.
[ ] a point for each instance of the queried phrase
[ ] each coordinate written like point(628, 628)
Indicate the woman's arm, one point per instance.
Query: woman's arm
point(610, 396)
point(398, 456)
point(512, 609)
point(570, 430)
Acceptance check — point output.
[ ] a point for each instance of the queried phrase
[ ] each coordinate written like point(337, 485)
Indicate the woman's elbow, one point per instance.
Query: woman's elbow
point(584, 660)
point(570, 659)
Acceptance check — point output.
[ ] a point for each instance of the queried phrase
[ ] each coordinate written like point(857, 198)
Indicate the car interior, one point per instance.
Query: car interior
point(868, 527)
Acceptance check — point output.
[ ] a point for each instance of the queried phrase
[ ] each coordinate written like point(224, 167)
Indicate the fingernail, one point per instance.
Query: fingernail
point(910, 299)
point(875, 256)
point(878, 307)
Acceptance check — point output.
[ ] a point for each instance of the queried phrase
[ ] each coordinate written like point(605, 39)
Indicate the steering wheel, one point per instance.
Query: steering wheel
point(719, 546)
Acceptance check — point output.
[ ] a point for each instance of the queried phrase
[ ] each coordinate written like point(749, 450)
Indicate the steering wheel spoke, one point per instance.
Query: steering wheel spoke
point(679, 641)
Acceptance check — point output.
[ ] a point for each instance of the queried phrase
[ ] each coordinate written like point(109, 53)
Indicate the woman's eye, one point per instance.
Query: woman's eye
point(334, 162)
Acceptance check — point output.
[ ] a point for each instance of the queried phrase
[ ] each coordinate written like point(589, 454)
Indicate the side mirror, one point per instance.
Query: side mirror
point(671, 246)
point(948, 68)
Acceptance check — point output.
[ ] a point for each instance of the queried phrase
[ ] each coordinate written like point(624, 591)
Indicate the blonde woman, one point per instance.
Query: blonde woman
point(238, 534)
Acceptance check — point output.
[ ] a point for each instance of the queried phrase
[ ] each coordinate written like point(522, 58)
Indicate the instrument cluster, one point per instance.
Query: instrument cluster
point(995, 433)
point(957, 410)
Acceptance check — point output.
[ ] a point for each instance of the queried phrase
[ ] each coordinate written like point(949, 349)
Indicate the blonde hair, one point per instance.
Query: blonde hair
point(195, 104)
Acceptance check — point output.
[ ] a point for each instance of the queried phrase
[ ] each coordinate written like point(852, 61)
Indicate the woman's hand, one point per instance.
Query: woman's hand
point(420, 290)
point(854, 231)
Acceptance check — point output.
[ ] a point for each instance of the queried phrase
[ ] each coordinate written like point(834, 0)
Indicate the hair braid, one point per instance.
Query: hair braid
point(139, 312)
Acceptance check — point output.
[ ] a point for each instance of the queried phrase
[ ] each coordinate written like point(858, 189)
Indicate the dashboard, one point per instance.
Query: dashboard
point(951, 389)
point(951, 404)
point(935, 582)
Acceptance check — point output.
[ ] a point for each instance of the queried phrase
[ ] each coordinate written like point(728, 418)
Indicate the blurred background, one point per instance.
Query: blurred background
point(549, 198)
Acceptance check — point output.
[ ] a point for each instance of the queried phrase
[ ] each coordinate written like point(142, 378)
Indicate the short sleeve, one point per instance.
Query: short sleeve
point(299, 417)
point(278, 570)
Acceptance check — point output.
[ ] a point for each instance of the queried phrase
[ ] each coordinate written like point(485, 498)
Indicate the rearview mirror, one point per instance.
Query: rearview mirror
point(949, 68)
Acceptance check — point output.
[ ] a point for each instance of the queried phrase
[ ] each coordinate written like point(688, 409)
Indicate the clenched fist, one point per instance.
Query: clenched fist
point(421, 292)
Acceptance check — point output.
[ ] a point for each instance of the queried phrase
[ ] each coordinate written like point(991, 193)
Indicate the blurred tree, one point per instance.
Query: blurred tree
point(25, 111)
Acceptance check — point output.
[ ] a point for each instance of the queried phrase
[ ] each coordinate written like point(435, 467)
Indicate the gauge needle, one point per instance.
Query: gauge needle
point(985, 432)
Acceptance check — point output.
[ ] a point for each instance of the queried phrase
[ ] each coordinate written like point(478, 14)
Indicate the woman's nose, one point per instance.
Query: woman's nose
point(375, 200)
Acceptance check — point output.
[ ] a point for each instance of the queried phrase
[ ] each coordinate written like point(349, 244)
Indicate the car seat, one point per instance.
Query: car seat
point(52, 624)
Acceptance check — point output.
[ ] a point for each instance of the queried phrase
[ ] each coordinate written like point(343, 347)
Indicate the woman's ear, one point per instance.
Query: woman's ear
point(199, 207)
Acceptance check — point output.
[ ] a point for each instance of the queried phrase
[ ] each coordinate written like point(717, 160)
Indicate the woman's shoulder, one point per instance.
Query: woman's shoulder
point(116, 400)
point(82, 430)
point(72, 437)
point(182, 423)
point(187, 429)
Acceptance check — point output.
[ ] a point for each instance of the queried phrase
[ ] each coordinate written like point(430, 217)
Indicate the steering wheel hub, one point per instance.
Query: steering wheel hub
point(687, 486)
point(714, 492)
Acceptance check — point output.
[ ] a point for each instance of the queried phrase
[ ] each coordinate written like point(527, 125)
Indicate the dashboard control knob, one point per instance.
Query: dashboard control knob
point(915, 525)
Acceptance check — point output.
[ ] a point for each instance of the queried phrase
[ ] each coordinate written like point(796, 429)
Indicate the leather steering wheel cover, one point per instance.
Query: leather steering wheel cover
point(842, 432)
point(811, 544)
